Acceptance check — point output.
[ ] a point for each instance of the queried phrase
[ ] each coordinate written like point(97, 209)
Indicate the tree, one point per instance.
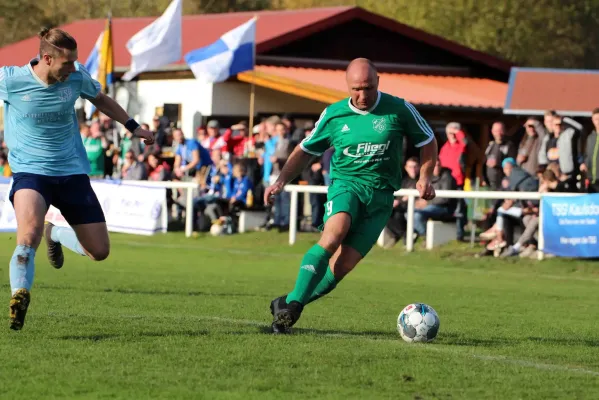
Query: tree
point(543, 33)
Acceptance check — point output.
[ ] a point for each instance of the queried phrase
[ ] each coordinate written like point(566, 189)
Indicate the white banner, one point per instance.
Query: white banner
point(128, 208)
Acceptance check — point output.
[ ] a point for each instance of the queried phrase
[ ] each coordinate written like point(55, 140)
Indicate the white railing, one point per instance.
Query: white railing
point(189, 187)
point(412, 194)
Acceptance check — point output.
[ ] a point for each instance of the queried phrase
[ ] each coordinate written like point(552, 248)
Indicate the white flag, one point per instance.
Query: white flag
point(158, 44)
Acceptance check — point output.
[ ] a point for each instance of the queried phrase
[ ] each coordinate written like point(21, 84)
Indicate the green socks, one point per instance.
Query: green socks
point(326, 285)
point(315, 265)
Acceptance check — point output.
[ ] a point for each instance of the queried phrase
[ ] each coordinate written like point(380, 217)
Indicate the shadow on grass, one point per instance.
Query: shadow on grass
point(570, 341)
point(173, 293)
point(109, 336)
point(372, 335)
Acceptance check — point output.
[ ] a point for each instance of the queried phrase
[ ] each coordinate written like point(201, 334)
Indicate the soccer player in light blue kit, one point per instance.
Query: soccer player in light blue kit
point(49, 162)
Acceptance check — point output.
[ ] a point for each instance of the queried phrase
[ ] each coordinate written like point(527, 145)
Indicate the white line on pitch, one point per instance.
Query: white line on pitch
point(499, 359)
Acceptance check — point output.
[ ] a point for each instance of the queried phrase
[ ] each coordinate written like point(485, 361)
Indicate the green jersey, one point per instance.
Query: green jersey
point(368, 144)
point(95, 155)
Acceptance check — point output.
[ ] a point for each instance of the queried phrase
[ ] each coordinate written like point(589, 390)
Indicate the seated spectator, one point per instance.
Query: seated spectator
point(158, 169)
point(237, 198)
point(518, 181)
point(439, 207)
point(130, 142)
point(526, 246)
point(191, 158)
point(5, 170)
point(397, 225)
point(133, 170)
point(214, 170)
point(220, 184)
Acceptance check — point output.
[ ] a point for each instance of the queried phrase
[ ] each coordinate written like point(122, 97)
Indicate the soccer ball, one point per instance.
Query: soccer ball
point(216, 230)
point(418, 322)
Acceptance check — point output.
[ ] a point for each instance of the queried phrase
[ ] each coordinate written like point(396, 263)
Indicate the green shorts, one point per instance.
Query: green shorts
point(370, 210)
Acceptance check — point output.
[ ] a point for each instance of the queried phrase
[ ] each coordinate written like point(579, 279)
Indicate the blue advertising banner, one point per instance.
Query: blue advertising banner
point(570, 225)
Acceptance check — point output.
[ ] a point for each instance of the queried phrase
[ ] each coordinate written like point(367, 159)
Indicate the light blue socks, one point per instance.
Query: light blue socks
point(22, 268)
point(67, 238)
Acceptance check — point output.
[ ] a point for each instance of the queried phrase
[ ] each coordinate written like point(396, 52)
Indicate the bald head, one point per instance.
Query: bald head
point(362, 83)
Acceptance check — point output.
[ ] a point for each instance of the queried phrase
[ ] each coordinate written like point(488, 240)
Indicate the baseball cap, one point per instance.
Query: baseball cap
point(213, 124)
point(508, 160)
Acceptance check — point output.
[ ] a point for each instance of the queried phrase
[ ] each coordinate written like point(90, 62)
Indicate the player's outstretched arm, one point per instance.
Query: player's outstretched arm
point(297, 161)
point(428, 157)
point(112, 109)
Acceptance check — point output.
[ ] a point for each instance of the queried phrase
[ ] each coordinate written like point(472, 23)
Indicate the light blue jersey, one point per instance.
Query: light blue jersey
point(40, 126)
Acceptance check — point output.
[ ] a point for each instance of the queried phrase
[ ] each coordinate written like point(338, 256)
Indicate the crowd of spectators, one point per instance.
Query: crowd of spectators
point(232, 166)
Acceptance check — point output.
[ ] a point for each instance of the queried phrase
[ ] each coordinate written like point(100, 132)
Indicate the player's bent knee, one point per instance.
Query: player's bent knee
point(99, 254)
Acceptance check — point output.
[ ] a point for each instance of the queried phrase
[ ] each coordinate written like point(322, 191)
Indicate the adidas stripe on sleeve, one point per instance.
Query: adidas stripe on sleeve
point(418, 129)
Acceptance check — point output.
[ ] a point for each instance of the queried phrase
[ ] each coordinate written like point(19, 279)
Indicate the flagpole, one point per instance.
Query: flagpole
point(253, 91)
point(115, 133)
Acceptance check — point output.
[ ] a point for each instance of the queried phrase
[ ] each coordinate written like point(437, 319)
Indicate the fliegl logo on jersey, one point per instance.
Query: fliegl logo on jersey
point(368, 149)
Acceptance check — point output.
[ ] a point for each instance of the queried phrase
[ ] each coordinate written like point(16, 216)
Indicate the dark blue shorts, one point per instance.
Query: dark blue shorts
point(72, 195)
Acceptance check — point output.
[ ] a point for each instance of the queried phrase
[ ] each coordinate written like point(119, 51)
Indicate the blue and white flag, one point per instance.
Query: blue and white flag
point(158, 44)
point(233, 53)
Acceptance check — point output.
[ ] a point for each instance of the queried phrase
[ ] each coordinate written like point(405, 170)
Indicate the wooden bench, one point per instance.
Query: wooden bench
point(249, 220)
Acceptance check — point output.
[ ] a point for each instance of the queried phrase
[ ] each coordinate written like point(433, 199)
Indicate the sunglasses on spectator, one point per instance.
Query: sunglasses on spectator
point(530, 126)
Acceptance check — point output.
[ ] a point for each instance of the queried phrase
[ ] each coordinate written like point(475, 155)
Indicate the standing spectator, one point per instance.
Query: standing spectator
point(396, 227)
point(563, 147)
point(238, 140)
point(528, 151)
point(497, 150)
point(95, 146)
point(161, 125)
point(452, 153)
point(283, 199)
point(4, 167)
point(453, 157)
point(547, 129)
point(591, 158)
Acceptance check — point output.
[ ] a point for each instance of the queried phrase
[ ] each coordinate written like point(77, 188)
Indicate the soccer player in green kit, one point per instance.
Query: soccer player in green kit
point(367, 131)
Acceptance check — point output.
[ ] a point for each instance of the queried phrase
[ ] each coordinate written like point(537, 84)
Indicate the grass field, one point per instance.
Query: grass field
point(170, 317)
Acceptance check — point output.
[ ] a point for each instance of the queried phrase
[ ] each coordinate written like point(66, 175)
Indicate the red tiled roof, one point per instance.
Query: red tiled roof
point(274, 29)
point(198, 30)
point(532, 91)
point(418, 89)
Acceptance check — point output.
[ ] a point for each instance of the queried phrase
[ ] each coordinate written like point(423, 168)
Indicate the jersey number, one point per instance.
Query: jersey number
point(329, 206)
